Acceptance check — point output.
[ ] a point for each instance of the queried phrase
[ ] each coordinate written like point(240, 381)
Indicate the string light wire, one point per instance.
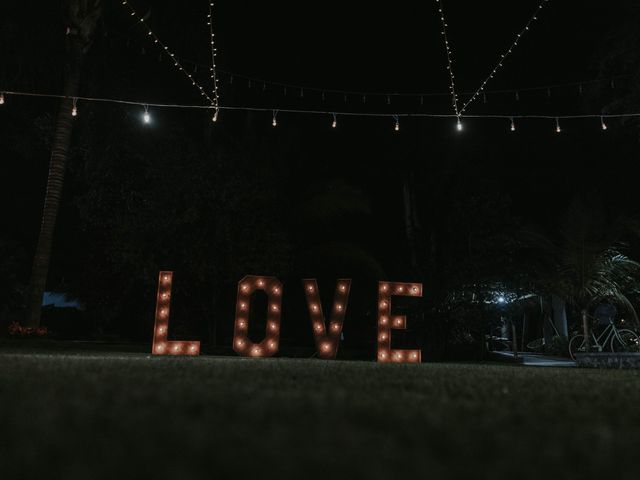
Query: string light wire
point(147, 105)
point(419, 95)
point(452, 77)
point(214, 74)
point(363, 95)
point(504, 56)
point(174, 59)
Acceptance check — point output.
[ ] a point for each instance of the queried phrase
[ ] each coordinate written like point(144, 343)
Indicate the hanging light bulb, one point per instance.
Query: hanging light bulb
point(215, 115)
point(459, 125)
point(74, 109)
point(604, 125)
point(397, 127)
point(275, 121)
point(335, 121)
point(1, 98)
point(146, 117)
point(513, 125)
point(558, 129)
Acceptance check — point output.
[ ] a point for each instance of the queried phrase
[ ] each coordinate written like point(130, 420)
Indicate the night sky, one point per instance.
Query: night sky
point(353, 47)
point(344, 46)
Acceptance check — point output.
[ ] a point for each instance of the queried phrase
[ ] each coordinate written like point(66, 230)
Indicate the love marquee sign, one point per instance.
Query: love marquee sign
point(326, 332)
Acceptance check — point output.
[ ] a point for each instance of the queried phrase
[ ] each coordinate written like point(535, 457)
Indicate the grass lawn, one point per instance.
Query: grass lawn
point(94, 416)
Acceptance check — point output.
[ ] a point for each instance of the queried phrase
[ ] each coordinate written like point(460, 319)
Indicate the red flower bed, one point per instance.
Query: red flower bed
point(17, 330)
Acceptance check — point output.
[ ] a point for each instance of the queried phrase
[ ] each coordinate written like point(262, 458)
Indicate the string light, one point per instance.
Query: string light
point(558, 129)
point(513, 125)
point(452, 77)
point(334, 124)
point(74, 110)
point(397, 126)
point(602, 123)
point(146, 117)
point(174, 59)
point(274, 122)
point(214, 74)
point(147, 105)
point(504, 56)
point(1, 98)
point(459, 126)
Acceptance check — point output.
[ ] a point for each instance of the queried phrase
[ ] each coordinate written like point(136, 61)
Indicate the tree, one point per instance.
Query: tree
point(81, 17)
point(583, 261)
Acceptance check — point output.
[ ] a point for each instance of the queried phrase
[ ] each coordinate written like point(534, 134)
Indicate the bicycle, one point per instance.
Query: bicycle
point(618, 340)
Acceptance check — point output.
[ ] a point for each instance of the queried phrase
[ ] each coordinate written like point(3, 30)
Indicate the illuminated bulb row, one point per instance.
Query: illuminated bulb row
point(504, 56)
point(164, 303)
point(214, 74)
point(175, 61)
point(558, 129)
point(603, 125)
point(176, 348)
point(452, 77)
point(399, 356)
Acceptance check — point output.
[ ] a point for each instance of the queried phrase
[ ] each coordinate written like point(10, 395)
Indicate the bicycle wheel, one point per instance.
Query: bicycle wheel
point(625, 341)
point(576, 345)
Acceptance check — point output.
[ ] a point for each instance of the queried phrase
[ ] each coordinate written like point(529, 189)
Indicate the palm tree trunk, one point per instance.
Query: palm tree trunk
point(78, 41)
point(410, 221)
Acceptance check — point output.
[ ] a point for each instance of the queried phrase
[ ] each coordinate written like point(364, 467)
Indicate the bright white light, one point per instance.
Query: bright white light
point(501, 299)
point(146, 117)
point(459, 126)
